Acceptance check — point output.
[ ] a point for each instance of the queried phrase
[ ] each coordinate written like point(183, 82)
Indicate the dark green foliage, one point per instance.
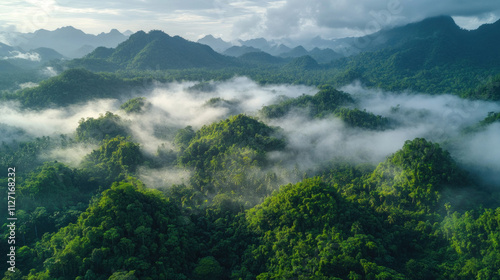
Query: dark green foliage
point(433, 56)
point(323, 103)
point(474, 237)
point(123, 275)
point(93, 64)
point(392, 221)
point(51, 197)
point(100, 53)
point(104, 127)
point(415, 176)
point(54, 186)
point(490, 119)
point(363, 119)
point(308, 231)
point(355, 223)
point(208, 268)
point(130, 230)
point(136, 105)
point(218, 102)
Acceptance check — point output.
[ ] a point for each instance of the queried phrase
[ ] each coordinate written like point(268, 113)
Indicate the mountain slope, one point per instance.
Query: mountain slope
point(433, 55)
point(69, 40)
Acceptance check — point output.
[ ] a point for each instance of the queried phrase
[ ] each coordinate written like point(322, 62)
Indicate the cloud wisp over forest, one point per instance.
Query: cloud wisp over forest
point(310, 141)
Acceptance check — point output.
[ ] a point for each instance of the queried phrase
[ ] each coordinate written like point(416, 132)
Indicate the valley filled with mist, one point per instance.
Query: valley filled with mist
point(149, 156)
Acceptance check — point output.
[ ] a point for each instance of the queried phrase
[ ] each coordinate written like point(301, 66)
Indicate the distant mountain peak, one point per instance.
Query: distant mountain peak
point(216, 44)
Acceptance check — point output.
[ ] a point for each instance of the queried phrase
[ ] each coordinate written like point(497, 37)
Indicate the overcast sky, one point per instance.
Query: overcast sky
point(228, 19)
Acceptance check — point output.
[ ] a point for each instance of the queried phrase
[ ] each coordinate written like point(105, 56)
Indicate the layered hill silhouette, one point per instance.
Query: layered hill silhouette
point(157, 50)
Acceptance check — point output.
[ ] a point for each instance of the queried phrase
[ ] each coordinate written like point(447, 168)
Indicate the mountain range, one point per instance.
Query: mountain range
point(422, 45)
point(434, 55)
point(157, 50)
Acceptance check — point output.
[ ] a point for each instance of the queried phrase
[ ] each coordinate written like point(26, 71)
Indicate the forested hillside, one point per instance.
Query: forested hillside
point(396, 221)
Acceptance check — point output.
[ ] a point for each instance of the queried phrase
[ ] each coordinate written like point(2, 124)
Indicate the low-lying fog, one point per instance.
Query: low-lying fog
point(438, 118)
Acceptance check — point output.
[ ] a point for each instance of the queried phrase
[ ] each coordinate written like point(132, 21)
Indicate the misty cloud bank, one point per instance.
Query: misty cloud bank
point(310, 142)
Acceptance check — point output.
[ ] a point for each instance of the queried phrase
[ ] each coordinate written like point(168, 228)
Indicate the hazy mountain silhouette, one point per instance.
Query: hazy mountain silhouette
point(69, 41)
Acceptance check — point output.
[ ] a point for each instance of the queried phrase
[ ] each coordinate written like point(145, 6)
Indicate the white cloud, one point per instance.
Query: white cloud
point(32, 56)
